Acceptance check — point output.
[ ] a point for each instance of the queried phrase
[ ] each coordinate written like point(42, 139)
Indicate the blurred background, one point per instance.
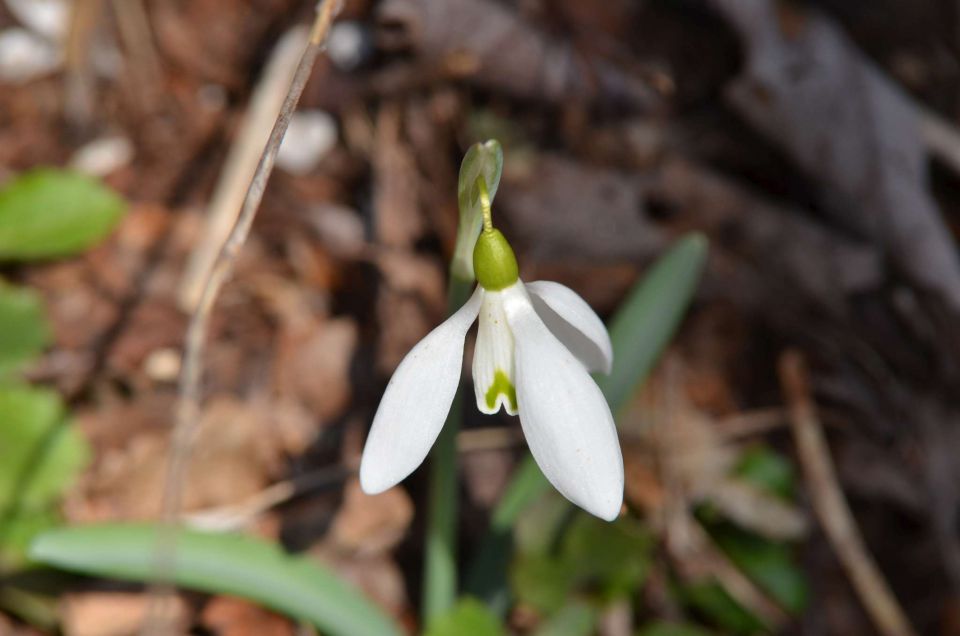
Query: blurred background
point(792, 460)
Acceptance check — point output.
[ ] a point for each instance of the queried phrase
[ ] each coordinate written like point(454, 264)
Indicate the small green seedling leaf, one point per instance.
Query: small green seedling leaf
point(712, 601)
point(767, 470)
point(576, 619)
point(40, 456)
point(218, 563)
point(40, 453)
point(602, 560)
point(23, 329)
point(49, 213)
point(612, 558)
point(468, 616)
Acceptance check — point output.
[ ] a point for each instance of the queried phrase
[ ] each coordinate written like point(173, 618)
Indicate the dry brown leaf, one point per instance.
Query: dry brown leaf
point(313, 366)
point(409, 305)
point(234, 617)
point(240, 449)
point(395, 197)
point(681, 452)
point(112, 613)
point(370, 524)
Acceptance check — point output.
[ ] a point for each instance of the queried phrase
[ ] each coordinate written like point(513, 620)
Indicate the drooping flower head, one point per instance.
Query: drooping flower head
point(536, 346)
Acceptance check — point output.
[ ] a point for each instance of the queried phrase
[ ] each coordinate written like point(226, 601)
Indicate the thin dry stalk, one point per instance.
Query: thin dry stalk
point(188, 403)
point(241, 164)
point(133, 22)
point(78, 87)
point(831, 506)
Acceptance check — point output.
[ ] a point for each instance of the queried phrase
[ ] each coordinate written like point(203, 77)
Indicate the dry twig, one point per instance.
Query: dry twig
point(831, 507)
point(78, 88)
point(241, 164)
point(133, 22)
point(188, 403)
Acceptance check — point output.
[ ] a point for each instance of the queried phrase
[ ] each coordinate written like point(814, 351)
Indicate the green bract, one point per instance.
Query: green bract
point(494, 262)
point(484, 159)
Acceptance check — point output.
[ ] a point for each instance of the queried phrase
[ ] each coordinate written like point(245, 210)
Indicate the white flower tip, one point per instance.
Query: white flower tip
point(599, 492)
point(372, 481)
point(607, 509)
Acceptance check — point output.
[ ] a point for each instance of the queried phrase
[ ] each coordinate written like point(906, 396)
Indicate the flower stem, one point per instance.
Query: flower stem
point(440, 553)
point(485, 204)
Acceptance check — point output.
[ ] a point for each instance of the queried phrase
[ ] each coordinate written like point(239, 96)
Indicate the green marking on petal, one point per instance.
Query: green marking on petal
point(501, 384)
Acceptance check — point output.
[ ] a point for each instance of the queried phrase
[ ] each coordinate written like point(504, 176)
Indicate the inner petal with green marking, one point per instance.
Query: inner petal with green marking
point(502, 388)
point(493, 358)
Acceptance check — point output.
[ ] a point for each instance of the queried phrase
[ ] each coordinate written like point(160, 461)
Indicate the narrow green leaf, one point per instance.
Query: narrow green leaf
point(639, 331)
point(40, 453)
point(49, 213)
point(23, 329)
point(218, 563)
point(468, 616)
point(575, 619)
point(647, 320)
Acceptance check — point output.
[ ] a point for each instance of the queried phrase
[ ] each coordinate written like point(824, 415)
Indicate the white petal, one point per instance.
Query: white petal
point(574, 323)
point(493, 382)
point(416, 402)
point(564, 415)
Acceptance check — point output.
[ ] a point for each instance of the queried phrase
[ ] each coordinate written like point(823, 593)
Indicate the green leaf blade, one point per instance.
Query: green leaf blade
point(468, 616)
point(40, 453)
point(48, 213)
point(218, 563)
point(650, 316)
point(24, 331)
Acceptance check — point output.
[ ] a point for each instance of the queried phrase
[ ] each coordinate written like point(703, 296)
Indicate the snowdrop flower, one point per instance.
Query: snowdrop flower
point(536, 344)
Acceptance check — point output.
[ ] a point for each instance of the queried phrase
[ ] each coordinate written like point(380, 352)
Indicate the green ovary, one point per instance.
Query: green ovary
point(501, 384)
